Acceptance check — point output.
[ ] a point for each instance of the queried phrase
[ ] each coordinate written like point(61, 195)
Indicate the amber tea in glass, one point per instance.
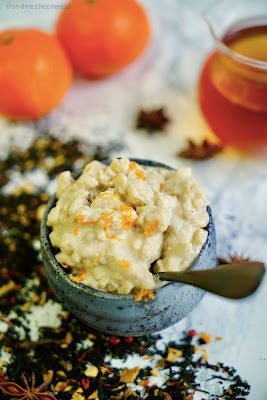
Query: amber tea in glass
point(233, 85)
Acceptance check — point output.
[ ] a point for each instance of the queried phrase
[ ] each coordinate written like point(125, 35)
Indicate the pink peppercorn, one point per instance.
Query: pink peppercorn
point(192, 332)
point(85, 383)
point(128, 339)
point(114, 340)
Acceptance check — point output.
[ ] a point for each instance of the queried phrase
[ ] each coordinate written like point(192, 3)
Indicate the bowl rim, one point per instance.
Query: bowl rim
point(47, 248)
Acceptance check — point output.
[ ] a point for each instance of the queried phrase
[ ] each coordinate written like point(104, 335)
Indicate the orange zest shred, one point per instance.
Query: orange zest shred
point(124, 263)
point(138, 172)
point(80, 277)
point(150, 228)
point(106, 228)
point(96, 259)
point(104, 194)
point(126, 222)
point(64, 265)
point(105, 218)
point(161, 187)
point(144, 294)
point(80, 219)
point(124, 207)
point(75, 231)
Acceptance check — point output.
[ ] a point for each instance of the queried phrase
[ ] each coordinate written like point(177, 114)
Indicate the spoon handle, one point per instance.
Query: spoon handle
point(233, 281)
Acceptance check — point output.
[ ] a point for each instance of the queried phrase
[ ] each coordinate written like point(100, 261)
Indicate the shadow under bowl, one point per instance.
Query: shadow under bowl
point(120, 314)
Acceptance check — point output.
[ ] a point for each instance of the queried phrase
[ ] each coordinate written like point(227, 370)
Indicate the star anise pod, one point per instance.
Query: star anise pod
point(234, 258)
point(152, 120)
point(200, 152)
point(15, 391)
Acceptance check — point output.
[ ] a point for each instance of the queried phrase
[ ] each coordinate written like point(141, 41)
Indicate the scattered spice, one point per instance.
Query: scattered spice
point(152, 120)
point(144, 294)
point(150, 228)
point(13, 390)
point(160, 187)
point(200, 152)
point(82, 347)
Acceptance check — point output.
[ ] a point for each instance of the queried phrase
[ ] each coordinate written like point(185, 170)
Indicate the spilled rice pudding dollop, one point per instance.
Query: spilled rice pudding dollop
point(114, 221)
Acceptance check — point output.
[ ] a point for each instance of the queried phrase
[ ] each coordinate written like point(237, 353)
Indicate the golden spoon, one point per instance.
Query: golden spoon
point(233, 280)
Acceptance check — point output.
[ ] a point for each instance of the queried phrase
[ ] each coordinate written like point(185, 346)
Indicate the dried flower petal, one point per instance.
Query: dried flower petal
point(91, 372)
point(173, 354)
point(129, 375)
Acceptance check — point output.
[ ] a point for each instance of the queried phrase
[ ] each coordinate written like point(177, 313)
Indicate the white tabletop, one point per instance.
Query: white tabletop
point(236, 186)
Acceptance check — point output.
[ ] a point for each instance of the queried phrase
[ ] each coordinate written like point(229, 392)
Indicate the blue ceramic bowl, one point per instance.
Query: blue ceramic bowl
point(120, 314)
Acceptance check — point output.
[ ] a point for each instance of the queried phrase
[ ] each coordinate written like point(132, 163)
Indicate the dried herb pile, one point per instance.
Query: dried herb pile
point(75, 360)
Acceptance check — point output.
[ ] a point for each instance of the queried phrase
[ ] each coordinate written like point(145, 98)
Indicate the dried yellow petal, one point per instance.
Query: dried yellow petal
point(173, 354)
point(5, 289)
point(129, 375)
point(60, 386)
point(93, 396)
point(48, 375)
point(91, 372)
point(78, 395)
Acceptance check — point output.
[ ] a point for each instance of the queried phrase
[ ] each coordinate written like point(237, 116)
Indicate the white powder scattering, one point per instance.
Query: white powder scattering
point(18, 329)
point(133, 361)
point(3, 327)
point(85, 344)
point(46, 316)
point(6, 358)
point(37, 177)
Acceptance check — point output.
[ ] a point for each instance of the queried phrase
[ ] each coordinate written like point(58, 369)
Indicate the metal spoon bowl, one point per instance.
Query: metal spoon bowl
point(233, 280)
